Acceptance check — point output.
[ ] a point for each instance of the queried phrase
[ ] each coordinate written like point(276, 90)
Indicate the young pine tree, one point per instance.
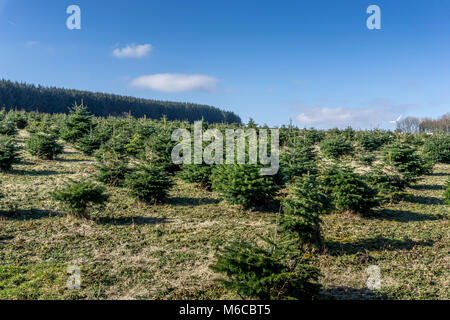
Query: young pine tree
point(149, 183)
point(8, 153)
point(275, 270)
point(243, 184)
point(77, 125)
point(297, 159)
point(43, 146)
point(447, 193)
point(77, 197)
point(405, 159)
point(349, 190)
point(302, 210)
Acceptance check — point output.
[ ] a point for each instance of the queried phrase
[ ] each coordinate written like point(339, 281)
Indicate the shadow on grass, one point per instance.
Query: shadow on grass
point(425, 200)
point(402, 216)
point(33, 214)
point(438, 174)
point(125, 221)
point(5, 238)
point(74, 160)
point(186, 201)
point(427, 187)
point(38, 173)
point(336, 248)
point(348, 293)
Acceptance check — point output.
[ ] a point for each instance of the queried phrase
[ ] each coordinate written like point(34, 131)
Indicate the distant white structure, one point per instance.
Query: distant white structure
point(396, 121)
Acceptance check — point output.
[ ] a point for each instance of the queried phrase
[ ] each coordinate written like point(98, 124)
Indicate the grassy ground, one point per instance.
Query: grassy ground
point(134, 251)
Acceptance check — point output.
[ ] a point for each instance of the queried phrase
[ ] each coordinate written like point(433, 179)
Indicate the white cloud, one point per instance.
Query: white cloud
point(133, 51)
point(172, 82)
point(342, 117)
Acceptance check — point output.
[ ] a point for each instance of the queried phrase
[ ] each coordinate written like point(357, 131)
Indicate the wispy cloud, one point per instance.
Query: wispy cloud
point(173, 82)
point(31, 43)
point(342, 117)
point(132, 51)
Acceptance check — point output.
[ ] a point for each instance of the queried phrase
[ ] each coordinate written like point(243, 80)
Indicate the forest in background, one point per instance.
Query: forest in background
point(56, 100)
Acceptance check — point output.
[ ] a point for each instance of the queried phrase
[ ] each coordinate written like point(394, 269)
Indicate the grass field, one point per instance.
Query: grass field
point(135, 251)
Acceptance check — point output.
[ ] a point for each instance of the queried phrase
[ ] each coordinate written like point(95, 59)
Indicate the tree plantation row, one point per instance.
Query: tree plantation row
point(321, 172)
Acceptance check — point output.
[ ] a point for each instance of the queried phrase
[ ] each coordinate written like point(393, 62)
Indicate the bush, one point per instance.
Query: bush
point(447, 194)
point(88, 144)
point(112, 167)
point(43, 146)
point(149, 183)
point(297, 160)
point(302, 209)
point(242, 184)
point(7, 127)
point(367, 159)
point(8, 155)
point(158, 150)
point(390, 184)
point(437, 149)
point(349, 190)
point(373, 140)
point(77, 197)
point(405, 159)
point(336, 146)
point(78, 124)
point(273, 271)
point(200, 174)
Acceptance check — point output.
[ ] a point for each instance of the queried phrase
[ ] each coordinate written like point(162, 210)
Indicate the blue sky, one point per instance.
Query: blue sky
point(314, 62)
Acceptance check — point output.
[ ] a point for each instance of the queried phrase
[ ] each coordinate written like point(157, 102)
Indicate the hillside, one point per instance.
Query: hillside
point(57, 100)
point(135, 251)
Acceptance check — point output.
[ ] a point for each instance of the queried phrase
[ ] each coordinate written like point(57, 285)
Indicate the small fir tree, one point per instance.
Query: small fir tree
point(349, 191)
point(149, 183)
point(273, 271)
point(8, 153)
point(77, 197)
point(43, 146)
point(302, 210)
point(243, 184)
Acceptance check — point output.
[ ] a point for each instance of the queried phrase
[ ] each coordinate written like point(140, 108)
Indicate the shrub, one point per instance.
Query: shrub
point(242, 184)
point(372, 140)
point(367, 159)
point(88, 144)
point(77, 125)
point(8, 155)
point(149, 183)
point(158, 150)
point(273, 271)
point(437, 148)
point(43, 146)
point(405, 159)
point(112, 167)
point(349, 190)
point(200, 174)
point(390, 184)
point(78, 196)
point(7, 127)
point(19, 119)
point(296, 160)
point(336, 146)
point(447, 193)
point(302, 209)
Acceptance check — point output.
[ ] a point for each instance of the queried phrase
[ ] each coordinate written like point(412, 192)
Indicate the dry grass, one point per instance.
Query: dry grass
point(134, 251)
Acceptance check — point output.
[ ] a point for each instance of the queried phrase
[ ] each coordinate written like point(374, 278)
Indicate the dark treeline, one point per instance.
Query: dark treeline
point(55, 100)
